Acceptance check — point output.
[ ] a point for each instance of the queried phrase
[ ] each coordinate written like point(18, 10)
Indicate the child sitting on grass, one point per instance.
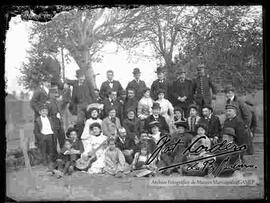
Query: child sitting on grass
point(115, 163)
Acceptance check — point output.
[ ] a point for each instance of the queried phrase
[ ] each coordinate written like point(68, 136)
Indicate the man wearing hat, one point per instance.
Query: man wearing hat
point(212, 122)
point(137, 84)
point(160, 83)
point(202, 86)
point(229, 135)
point(164, 128)
point(242, 109)
point(182, 93)
point(82, 95)
point(40, 96)
point(110, 85)
point(242, 135)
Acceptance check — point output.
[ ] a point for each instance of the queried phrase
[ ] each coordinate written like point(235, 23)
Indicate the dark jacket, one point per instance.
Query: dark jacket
point(138, 87)
point(242, 110)
point(201, 89)
point(127, 145)
point(116, 104)
point(164, 128)
point(133, 127)
point(81, 94)
point(39, 97)
point(241, 132)
point(77, 145)
point(54, 108)
point(105, 88)
point(156, 85)
point(182, 89)
point(130, 103)
point(214, 126)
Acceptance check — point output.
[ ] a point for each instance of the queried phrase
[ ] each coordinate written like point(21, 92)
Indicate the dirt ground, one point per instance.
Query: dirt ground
point(82, 186)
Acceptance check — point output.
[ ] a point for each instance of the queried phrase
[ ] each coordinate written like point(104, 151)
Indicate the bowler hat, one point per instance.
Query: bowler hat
point(229, 131)
point(160, 70)
point(229, 88)
point(181, 123)
point(156, 105)
point(43, 106)
point(95, 124)
point(136, 71)
point(231, 106)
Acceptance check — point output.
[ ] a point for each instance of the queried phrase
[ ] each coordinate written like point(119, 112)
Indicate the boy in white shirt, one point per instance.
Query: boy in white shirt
point(45, 131)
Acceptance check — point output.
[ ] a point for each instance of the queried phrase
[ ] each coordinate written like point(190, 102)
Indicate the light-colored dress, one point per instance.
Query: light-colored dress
point(166, 109)
point(114, 161)
point(94, 143)
point(144, 107)
point(85, 137)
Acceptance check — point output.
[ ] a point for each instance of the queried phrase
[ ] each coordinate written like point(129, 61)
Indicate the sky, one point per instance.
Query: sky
point(17, 43)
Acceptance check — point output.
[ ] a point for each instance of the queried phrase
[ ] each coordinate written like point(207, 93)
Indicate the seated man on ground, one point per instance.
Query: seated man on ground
point(132, 124)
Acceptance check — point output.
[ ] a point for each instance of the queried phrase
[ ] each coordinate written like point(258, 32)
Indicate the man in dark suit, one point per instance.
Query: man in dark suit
point(182, 92)
point(40, 96)
point(242, 136)
point(164, 128)
point(137, 84)
point(202, 86)
point(242, 110)
point(112, 102)
point(81, 95)
point(110, 85)
point(160, 83)
point(213, 124)
point(126, 144)
point(130, 102)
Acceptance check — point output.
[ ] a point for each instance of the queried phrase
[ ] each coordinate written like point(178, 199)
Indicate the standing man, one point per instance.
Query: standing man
point(81, 95)
point(202, 86)
point(110, 85)
point(242, 110)
point(40, 97)
point(137, 84)
point(160, 83)
point(182, 92)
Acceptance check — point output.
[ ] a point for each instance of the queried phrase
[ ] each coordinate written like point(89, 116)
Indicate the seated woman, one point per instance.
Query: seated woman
point(115, 163)
point(193, 118)
point(139, 162)
point(197, 167)
point(166, 108)
point(111, 124)
point(132, 124)
point(92, 160)
point(145, 105)
point(178, 116)
point(94, 118)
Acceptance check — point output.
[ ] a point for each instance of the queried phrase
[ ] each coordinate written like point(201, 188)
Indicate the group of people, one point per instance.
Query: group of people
point(117, 131)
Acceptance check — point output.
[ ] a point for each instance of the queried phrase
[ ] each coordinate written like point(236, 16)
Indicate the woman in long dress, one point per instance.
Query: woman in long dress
point(166, 108)
point(94, 118)
point(145, 105)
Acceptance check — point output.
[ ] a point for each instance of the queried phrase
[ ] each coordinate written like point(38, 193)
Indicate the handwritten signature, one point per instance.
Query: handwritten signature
point(220, 149)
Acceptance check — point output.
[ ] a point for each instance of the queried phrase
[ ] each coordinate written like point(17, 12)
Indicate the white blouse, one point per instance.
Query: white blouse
point(145, 107)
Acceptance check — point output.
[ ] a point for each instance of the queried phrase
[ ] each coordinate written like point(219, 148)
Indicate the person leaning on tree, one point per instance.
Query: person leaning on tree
point(40, 96)
point(202, 86)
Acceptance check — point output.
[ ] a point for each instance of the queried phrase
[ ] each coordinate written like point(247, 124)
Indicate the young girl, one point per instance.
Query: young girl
point(115, 163)
point(139, 161)
point(94, 118)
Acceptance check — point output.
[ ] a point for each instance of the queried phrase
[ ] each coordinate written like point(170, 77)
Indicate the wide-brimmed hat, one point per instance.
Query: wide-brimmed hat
point(229, 131)
point(136, 71)
point(156, 105)
point(229, 88)
point(181, 123)
point(154, 124)
point(160, 70)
